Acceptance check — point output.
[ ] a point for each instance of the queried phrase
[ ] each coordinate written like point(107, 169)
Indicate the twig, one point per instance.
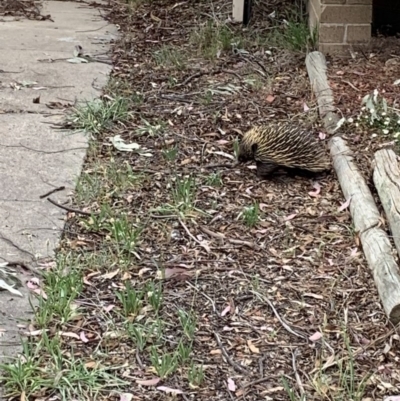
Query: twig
point(193, 237)
point(296, 374)
point(204, 295)
point(241, 242)
point(69, 209)
point(283, 323)
point(228, 359)
point(52, 192)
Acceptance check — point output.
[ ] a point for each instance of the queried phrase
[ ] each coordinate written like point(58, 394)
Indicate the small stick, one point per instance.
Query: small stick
point(52, 192)
point(298, 380)
point(69, 209)
point(229, 360)
point(283, 323)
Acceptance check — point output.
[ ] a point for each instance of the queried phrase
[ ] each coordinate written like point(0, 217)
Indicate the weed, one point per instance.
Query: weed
point(214, 38)
point(154, 295)
point(62, 287)
point(131, 300)
point(195, 375)
point(105, 182)
point(152, 130)
point(250, 215)
point(170, 154)
point(188, 323)
point(163, 364)
point(169, 56)
point(96, 116)
point(293, 33)
point(183, 352)
point(214, 180)
point(139, 335)
point(184, 193)
point(125, 233)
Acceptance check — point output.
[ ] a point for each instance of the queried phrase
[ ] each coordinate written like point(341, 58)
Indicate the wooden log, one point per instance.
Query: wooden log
point(386, 178)
point(375, 242)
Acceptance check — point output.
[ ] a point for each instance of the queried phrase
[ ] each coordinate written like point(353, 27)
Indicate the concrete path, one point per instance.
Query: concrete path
point(34, 157)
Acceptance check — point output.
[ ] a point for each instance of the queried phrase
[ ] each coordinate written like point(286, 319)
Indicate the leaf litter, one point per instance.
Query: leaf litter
point(252, 276)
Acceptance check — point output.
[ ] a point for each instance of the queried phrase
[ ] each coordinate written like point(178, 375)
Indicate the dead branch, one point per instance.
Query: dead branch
point(365, 214)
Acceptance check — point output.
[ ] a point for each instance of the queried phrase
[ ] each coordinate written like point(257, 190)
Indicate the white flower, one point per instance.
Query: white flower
point(385, 131)
point(396, 134)
point(350, 120)
point(373, 135)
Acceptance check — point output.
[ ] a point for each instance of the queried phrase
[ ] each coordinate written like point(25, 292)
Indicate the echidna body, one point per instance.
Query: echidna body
point(282, 145)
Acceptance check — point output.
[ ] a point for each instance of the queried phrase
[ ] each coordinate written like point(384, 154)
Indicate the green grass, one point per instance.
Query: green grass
point(170, 56)
point(250, 215)
point(97, 115)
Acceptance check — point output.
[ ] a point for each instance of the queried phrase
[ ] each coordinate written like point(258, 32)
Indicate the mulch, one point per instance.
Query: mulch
point(285, 298)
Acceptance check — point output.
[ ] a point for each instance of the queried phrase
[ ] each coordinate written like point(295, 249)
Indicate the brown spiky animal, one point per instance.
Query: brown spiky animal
point(282, 145)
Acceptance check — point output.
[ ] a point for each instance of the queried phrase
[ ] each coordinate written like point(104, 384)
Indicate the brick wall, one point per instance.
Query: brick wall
point(340, 23)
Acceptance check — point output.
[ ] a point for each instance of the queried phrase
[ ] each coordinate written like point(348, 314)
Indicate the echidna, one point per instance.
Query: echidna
point(282, 145)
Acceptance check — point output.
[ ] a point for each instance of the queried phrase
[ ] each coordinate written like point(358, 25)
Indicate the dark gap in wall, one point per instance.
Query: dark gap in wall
point(386, 17)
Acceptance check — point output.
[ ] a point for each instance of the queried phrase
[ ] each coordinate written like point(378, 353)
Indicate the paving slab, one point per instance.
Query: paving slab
point(35, 157)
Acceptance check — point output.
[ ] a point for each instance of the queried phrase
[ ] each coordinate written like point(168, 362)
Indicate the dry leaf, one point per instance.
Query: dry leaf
point(110, 275)
point(290, 217)
point(226, 310)
point(178, 273)
point(126, 397)
point(317, 188)
point(315, 337)
point(169, 390)
point(344, 205)
point(68, 334)
point(270, 98)
point(83, 337)
point(252, 347)
point(149, 382)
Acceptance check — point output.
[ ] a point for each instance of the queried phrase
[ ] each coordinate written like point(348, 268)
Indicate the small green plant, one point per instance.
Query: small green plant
point(98, 115)
point(183, 352)
point(62, 288)
point(169, 56)
point(290, 392)
point(139, 335)
point(154, 295)
point(131, 300)
point(250, 215)
point(152, 130)
point(163, 364)
point(214, 38)
point(124, 233)
point(293, 32)
point(184, 193)
point(188, 323)
point(170, 154)
point(214, 180)
point(195, 375)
